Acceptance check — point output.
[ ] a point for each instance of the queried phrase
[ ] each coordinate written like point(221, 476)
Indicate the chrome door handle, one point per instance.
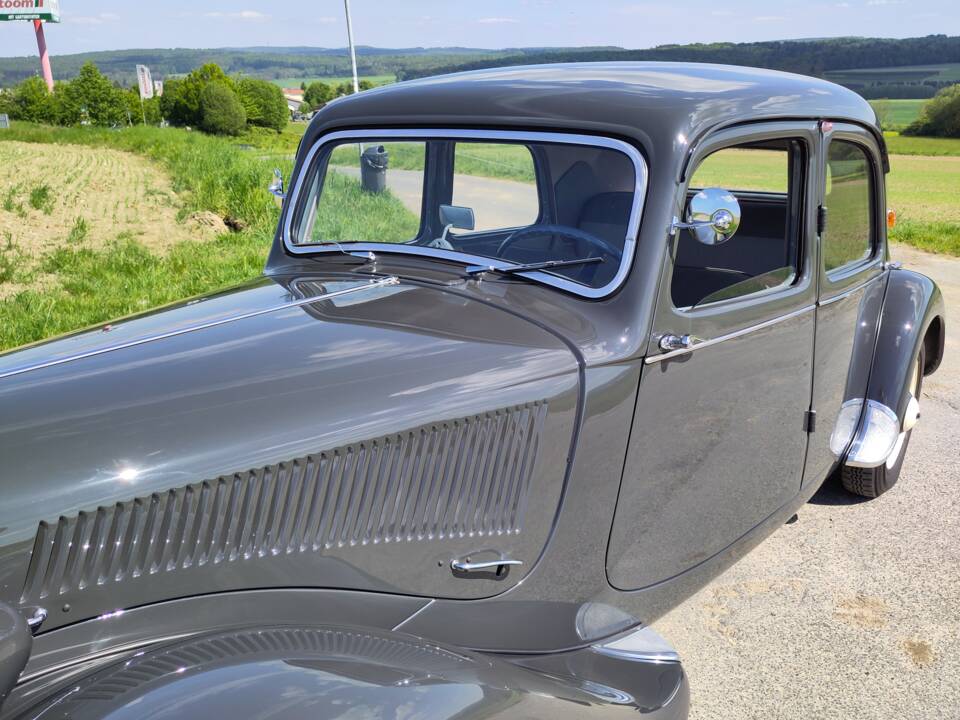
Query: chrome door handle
point(465, 565)
point(677, 342)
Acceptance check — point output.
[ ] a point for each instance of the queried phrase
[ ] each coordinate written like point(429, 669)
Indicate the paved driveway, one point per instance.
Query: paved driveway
point(496, 203)
point(853, 612)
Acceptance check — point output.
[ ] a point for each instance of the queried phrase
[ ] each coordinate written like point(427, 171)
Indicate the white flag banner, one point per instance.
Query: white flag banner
point(145, 81)
point(158, 88)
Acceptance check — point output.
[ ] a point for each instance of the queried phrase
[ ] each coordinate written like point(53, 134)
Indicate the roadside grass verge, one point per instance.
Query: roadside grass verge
point(96, 286)
point(937, 237)
point(90, 286)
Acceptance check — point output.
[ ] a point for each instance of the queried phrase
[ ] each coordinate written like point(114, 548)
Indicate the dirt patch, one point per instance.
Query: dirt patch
point(920, 652)
point(54, 196)
point(862, 611)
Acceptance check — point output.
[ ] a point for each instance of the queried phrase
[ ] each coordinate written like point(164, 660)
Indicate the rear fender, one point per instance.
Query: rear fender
point(912, 317)
point(912, 306)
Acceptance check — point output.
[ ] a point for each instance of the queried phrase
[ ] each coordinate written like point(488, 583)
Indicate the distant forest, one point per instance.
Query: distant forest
point(265, 63)
point(819, 57)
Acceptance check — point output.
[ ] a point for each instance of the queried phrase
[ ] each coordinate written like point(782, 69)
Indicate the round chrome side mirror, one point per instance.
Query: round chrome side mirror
point(713, 216)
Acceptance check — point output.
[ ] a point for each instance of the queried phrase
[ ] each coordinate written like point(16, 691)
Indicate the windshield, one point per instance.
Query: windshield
point(515, 202)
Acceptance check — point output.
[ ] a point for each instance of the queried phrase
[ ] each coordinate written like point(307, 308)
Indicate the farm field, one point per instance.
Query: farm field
point(943, 72)
point(905, 145)
point(899, 113)
point(294, 82)
point(153, 204)
point(84, 198)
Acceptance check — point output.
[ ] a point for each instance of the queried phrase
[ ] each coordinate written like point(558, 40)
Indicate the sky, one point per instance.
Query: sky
point(111, 24)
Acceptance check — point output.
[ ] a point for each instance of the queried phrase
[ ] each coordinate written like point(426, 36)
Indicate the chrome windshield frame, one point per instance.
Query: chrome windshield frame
point(519, 136)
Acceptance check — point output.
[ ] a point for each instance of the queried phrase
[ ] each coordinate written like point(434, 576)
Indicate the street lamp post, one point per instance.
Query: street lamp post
point(353, 53)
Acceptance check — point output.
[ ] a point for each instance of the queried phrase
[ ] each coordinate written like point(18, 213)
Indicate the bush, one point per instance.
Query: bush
point(940, 117)
point(263, 103)
point(32, 101)
point(223, 113)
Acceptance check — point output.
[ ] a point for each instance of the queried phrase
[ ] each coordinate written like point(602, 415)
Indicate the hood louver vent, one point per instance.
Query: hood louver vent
point(458, 478)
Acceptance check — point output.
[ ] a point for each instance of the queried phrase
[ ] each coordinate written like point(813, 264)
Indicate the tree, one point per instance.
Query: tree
point(346, 88)
point(263, 103)
point(940, 116)
point(317, 95)
point(90, 96)
point(181, 97)
point(222, 112)
point(32, 101)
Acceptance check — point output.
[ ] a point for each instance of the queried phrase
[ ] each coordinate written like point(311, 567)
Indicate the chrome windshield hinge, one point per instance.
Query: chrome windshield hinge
point(810, 421)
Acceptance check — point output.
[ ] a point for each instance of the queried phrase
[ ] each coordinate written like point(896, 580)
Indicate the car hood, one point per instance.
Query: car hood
point(190, 426)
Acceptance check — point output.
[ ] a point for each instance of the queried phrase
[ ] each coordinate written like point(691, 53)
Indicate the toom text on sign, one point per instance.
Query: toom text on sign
point(48, 10)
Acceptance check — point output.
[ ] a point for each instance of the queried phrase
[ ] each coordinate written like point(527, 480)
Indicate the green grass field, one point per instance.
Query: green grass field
point(212, 174)
point(294, 82)
point(930, 146)
point(944, 72)
point(897, 113)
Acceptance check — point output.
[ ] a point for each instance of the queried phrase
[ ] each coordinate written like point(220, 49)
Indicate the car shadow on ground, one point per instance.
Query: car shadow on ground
point(832, 493)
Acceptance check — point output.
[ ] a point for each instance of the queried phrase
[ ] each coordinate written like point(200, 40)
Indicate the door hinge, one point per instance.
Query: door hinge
point(821, 219)
point(809, 421)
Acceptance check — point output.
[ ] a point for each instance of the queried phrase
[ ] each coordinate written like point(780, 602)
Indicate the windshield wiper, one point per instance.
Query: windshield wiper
point(529, 267)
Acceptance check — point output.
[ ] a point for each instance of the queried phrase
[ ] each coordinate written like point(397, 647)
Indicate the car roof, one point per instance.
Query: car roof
point(652, 102)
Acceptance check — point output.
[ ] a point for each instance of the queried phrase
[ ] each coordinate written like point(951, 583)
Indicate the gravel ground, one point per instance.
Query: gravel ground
point(854, 610)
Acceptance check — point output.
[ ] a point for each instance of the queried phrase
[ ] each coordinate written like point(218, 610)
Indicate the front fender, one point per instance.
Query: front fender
point(911, 306)
point(316, 672)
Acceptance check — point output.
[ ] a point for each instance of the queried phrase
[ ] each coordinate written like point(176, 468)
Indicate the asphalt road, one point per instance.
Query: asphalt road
point(852, 612)
point(496, 203)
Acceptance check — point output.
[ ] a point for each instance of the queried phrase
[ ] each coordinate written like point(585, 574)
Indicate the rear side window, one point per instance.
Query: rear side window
point(767, 180)
point(848, 237)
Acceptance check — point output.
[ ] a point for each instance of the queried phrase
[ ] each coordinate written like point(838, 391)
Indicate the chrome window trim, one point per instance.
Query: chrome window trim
point(850, 291)
point(633, 225)
point(699, 344)
point(380, 282)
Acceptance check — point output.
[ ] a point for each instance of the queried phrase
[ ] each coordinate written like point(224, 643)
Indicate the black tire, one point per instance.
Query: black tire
point(873, 482)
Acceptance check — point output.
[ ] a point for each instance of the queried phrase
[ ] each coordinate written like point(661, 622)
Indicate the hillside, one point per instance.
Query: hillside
point(809, 57)
point(268, 63)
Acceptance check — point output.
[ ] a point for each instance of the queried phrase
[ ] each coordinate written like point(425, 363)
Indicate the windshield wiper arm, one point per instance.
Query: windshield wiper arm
point(529, 267)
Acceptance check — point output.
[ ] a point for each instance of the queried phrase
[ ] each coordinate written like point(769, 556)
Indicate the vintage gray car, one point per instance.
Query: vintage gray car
point(537, 353)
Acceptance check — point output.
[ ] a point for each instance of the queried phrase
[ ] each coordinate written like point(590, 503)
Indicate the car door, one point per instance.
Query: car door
point(851, 270)
point(718, 439)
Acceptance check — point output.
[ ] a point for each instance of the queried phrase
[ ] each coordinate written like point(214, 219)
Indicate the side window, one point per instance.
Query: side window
point(767, 180)
point(497, 180)
point(848, 238)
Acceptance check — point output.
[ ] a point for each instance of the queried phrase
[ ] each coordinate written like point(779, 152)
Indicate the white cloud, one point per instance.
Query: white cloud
point(497, 20)
point(241, 15)
point(98, 19)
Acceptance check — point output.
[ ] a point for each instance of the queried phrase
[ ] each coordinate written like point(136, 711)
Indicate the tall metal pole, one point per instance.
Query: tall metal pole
point(353, 54)
point(44, 55)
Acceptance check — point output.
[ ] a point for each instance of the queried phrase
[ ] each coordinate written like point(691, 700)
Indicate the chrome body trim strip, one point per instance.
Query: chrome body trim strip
point(650, 359)
point(849, 292)
point(633, 226)
point(193, 328)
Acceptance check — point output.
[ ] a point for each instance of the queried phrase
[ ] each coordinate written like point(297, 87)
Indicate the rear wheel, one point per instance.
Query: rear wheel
point(872, 482)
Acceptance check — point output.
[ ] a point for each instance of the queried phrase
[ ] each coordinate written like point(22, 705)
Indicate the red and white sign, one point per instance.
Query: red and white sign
point(144, 80)
point(48, 10)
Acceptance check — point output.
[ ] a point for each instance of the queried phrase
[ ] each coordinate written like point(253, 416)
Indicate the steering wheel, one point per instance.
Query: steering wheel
point(563, 230)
